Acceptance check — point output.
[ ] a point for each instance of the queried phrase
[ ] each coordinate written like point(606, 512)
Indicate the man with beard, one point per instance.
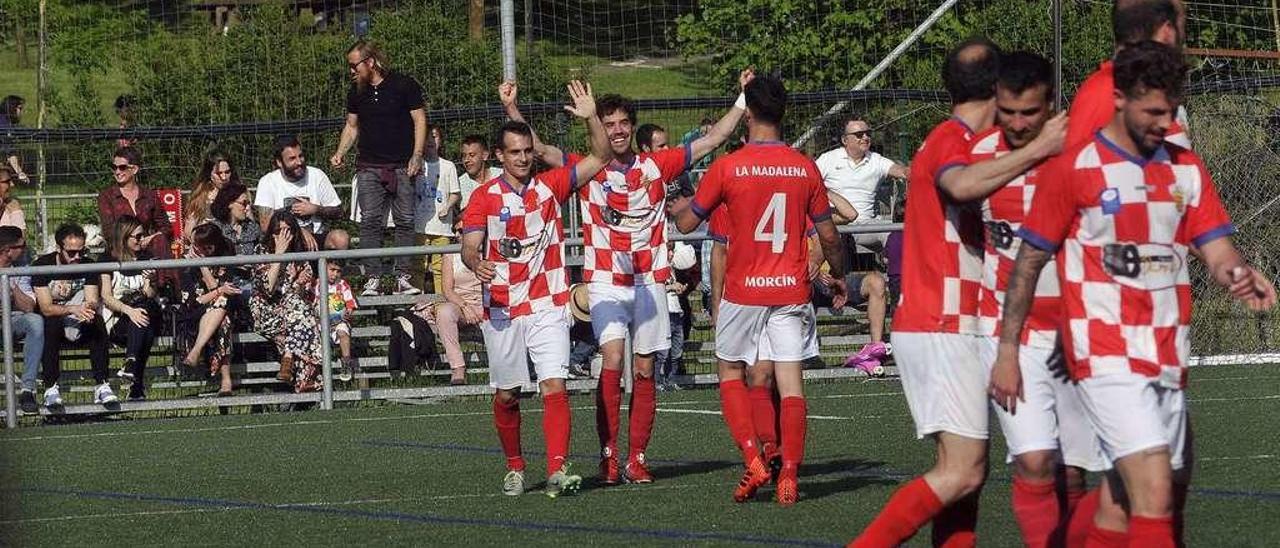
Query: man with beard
point(302, 189)
point(387, 112)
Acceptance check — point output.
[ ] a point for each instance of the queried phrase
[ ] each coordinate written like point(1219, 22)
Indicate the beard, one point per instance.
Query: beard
point(1139, 137)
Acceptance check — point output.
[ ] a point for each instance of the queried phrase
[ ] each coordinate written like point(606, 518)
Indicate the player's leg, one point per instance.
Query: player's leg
point(790, 336)
point(764, 410)
point(507, 373)
point(650, 334)
point(611, 308)
point(1109, 525)
point(1081, 453)
point(547, 338)
point(738, 329)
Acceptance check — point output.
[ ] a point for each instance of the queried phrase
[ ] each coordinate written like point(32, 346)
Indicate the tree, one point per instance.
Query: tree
point(475, 20)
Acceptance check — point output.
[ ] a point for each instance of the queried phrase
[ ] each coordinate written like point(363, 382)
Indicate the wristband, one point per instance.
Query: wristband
point(741, 102)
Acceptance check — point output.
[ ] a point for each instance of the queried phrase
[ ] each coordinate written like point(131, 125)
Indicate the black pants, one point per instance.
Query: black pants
point(136, 340)
point(92, 334)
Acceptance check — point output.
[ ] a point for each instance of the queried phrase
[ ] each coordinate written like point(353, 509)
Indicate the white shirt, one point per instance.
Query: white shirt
point(467, 185)
point(854, 181)
point(439, 179)
point(315, 186)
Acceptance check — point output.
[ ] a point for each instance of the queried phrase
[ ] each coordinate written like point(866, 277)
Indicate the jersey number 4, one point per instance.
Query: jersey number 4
point(772, 226)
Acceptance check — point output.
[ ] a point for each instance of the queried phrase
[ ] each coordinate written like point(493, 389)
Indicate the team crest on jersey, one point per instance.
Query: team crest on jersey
point(1110, 201)
point(1179, 199)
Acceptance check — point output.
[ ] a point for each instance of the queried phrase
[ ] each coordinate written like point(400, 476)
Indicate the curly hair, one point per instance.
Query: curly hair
point(1147, 66)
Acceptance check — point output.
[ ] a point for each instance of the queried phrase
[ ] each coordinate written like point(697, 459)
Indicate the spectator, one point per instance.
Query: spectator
point(215, 174)
point(462, 306)
point(583, 345)
point(283, 304)
point(853, 172)
point(651, 138)
point(124, 111)
point(438, 194)
point(10, 208)
point(230, 211)
point(342, 303)
point(685, 276)
point(128, 197)
point(475, 169)
point(704, 127)
point(386, 110)
point(10, 115)
point(129, 303)
point(69, 303)
point(304, 191)
point(25, 322)
point(208, 297)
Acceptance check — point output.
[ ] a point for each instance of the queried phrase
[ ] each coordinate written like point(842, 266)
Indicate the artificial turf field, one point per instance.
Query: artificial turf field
point(431, 474)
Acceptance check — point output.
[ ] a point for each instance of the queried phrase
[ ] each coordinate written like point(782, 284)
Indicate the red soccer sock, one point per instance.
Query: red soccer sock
point(506, 418)
point(608, 403)
point(1105, 538)
point(1074, 494)
point(913, 505)
point(1080, 523)
point(644, 405)
point(1147, 532)
point(555, 428)
point(736, 408)
point(955, 525)
point(795, 414)
point(764, 416)
point(1035, 506)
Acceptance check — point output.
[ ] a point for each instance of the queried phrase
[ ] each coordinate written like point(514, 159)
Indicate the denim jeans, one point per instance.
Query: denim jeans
point(671, 362)
point(29, 326)
point(375, 201)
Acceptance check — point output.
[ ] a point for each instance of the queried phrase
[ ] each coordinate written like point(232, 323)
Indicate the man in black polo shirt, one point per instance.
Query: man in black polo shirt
point(386, 111)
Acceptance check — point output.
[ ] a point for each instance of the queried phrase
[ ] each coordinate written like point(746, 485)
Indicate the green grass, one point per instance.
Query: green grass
point(412, 475)
point(22, 82)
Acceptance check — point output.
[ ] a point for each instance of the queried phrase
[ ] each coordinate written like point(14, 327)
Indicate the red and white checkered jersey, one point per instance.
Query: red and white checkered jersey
point(942, 242)
point(1094, 105)
point(530, 277)
point(1121, 226)
point(1003, 213)
point(772, 190)
point(624, 218)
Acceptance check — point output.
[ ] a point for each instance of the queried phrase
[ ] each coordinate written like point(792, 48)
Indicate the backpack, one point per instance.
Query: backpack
point(413, 344)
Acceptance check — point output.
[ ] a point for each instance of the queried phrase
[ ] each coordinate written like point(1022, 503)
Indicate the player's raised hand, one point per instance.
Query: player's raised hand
point(507, 92)
point(1052, 136)
point(1250, 286)
point(745, 77)
point(1005, 387)
point(584, 104)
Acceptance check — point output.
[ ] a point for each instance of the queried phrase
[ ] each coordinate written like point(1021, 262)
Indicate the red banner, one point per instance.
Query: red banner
point(171, 202)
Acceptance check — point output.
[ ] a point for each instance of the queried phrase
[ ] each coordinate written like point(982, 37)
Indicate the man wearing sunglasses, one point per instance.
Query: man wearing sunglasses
point(26, 322)
point(69, 303)
point(854, 172)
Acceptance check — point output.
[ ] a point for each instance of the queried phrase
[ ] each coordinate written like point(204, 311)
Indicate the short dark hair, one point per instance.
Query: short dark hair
point(132, 154)
point(282, 142)
point(767, 99)
point(9, 235)
point(221, 206)
point(1023, 70)
point(123, 102)
point(1137, 20)
point(644, 134)
point(475, 139)
point(209, 234)
point(68, 230)
point(1149, 65)
point(611, 103)
point(10, 106)
point(511, 126)
point(971, 76)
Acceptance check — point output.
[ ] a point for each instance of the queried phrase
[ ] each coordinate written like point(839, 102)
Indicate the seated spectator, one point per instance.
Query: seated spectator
point(302, 190)
point(209, 296)
point(216, 173)
point(283, 304)
point(462, 306)
point(10, 208)
point(130, 310)
point(230, 211)
point(127, 197)
point(865, 288)
point(26, 323)
point(685, 277)
point(342, 303)
point(69, 303)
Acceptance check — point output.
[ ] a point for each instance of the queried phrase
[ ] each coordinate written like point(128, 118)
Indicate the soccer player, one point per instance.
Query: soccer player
point(625, 265)
point(765, 314)
point(513, 239)
point(1123, 212)
point(1051, 422)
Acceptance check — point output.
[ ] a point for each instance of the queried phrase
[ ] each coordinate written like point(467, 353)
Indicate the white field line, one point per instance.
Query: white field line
point(1246, 457)
point(811, 417)
point(1245, 398)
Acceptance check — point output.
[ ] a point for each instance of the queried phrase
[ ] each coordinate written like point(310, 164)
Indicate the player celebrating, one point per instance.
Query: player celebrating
point(625, 264)
point(765, 313)
point(513, 239)
point(1122, 212)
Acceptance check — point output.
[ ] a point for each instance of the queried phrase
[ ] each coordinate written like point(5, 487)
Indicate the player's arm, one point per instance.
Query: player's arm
point(843, 212)
point(584, 107)
point(719, 256)
point(832, 251)
point(815, 256)
point(723, 129)
point(508, 91)
point(977, 181)
point(1231, 271)
point(1006, 377)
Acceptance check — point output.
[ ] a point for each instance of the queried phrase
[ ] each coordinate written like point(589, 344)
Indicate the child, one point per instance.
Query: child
point(341, 304)
point(684, 277)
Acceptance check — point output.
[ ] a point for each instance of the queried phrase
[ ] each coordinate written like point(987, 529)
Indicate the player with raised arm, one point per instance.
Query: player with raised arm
point(1123, 212)
point(513, 239)
point(624, 237)
point(765, 313)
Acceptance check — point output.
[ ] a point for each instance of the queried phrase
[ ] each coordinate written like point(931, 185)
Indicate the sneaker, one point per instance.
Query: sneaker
point(788, 491)
point(125, 372)
point(371, 287)
point(637, 471)
point(753, 478)
point(52, 398)
point(104, 395)
point(27, 401)
point(609, 474)
point(513, 483)
point(563, 483)
point(404, 287)
point(579, 371)
point(136, 393)
point(348, 371)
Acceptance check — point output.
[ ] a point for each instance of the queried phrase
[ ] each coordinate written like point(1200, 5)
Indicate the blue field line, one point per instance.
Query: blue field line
point(525, 525)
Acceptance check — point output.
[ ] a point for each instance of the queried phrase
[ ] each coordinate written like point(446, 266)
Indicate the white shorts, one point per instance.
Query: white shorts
point(945, 381)
point(1132, 413)
point(746, 333)
point(641, 310)
point(541, 337)
point(339, 327)
point(1052, 417)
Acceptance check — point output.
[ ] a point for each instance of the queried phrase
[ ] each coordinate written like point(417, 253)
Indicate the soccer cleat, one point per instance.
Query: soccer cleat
point(104, 395)
point(513, 483)
point(637, 471)
point(756, 475)
point(371, 288)
point(788, 491)
point(27, 401)
point(609, 474)
point(52, 398)
point(404, 287)
point(563, 483)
